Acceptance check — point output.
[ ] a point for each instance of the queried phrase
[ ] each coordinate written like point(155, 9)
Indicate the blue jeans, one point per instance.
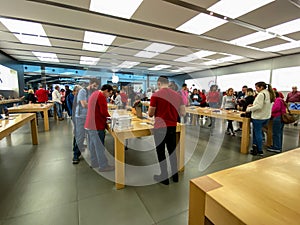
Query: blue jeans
point(97, 149)
point(76, 152)
point(58, 109)
point(257, 132)
point(79, 132)
point(277, 133)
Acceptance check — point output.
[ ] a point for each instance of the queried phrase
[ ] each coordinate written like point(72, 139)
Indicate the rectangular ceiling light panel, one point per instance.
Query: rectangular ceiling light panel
point(153, 50)
point(46, 57)
point(194, 56)
point(252, 38)
point(88, 60)
point(27, 32)
point(201, 24)
point(159, 67)
point(282, 47)
point(97, 42)
point(128, 64)
point(286, 28)
point(237, 8)
point(118, 8)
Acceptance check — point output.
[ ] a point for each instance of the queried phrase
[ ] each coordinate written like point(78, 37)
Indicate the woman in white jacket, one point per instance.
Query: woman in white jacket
point(261, 113)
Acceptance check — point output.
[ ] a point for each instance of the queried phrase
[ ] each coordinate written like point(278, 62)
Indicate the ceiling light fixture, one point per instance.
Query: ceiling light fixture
point(46, 57)
point(201, 24)
point(118, 8)
point(128, 64)
point(237, 8)
point(27, 32)
point(97, 42)
point(88, 60)
point(153, 50)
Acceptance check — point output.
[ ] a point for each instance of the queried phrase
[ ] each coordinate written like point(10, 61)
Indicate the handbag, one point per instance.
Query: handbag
point(288, 118)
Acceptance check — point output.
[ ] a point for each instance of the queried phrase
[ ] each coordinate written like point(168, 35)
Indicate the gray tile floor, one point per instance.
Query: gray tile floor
point(40, 186)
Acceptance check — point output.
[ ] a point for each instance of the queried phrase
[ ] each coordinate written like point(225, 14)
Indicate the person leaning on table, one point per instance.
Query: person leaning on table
point(166, 105)
point(261, 113)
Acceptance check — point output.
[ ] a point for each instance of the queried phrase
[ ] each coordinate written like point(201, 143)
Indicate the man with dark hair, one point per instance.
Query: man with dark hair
point(166, 105)
point(95, 125)
point(80, 115)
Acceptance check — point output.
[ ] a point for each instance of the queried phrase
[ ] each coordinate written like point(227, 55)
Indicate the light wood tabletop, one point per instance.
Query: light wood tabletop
point(14, 122)
point(262, 192)
point(227, 115)
point(34, 108)
point(140, 128)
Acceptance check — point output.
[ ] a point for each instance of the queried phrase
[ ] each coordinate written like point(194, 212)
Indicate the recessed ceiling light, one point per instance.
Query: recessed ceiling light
point(194, 56)
point(46, 57)
point(88, 60)
point(286, 28)
point(159, 67)
point(118, 8)
point(153, 50)
point(97, 42)
point(282, 47)
point(201, 24)
point(128, 64)
point(252, 38)
point(222, 60)
point(27, 32)
point(237, 8)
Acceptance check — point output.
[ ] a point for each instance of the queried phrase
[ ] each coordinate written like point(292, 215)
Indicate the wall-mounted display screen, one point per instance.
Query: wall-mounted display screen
point(284, 79)
point(9, 79)
point(238, 80)
point(200, 83)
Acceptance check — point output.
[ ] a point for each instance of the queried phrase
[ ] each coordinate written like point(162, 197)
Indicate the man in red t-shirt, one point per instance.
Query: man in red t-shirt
point(166, 105)
point(42, 95)
point(95, 125)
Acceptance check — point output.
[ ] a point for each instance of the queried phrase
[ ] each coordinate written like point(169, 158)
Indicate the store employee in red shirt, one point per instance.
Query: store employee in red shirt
point(95, 125)
point(42, 95)
point(166, 105)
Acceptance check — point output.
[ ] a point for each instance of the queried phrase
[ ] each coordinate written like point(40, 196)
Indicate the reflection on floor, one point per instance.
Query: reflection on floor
point(40, 186)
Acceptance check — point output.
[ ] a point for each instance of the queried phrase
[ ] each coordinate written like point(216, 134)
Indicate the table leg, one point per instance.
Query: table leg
point(34, 131)
point(119, 163)
point(180, 150)
point(270, 133)
point(245, 136)
point(46, 120)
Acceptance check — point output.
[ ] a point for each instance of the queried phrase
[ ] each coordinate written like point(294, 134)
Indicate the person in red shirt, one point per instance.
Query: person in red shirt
point(166, 105)
point(95, 125)
point(42, 95)
point(124, 98)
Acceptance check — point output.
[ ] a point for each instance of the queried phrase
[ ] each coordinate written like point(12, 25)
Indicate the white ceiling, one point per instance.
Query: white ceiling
point(154, 21)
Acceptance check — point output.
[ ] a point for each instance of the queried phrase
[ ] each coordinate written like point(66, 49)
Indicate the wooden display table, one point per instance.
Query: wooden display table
point(7, 101)
point(140, 128)
point(227, 115)
point(34, 108)
point(258, 193)
point(16, 121)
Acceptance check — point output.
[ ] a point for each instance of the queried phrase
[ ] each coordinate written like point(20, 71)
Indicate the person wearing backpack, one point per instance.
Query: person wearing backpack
point(80, 115)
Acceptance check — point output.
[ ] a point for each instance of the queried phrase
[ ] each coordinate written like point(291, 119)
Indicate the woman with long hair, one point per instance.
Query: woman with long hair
point(261, 113)
point(229, 103)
